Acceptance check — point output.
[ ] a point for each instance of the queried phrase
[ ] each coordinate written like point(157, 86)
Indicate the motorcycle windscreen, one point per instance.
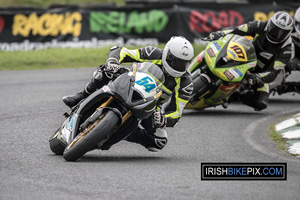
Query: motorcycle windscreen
point(238, 51)
point(147, 87)
point(149, 79)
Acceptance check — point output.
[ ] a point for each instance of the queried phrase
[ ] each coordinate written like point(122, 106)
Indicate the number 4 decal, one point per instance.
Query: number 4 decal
point(145, 82)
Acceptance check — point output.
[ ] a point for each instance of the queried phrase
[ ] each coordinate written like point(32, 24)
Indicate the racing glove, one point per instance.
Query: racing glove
point(292, 66)
point(159, 119)
point(112, 64)
point(254, 79)
point(215, 35)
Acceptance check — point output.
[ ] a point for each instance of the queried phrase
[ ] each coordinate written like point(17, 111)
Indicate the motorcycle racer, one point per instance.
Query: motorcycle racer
point(294, 65)
point(177, 89)
point(273, 46)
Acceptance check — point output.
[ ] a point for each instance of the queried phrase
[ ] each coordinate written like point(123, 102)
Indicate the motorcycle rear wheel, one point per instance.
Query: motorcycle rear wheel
point(84, 142)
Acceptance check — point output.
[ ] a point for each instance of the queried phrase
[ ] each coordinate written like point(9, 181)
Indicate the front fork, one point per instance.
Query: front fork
point(85, 131)
point(108, 102)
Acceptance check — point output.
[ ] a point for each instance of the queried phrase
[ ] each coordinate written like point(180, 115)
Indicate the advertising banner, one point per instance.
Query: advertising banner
point(29, 29)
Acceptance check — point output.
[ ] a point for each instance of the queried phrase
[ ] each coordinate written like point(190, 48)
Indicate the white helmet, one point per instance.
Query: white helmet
point(297, 20)
point(279, 27)
point(177, 54)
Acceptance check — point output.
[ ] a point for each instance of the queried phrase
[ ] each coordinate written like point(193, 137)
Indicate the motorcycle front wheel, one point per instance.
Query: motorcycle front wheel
point(85, 141)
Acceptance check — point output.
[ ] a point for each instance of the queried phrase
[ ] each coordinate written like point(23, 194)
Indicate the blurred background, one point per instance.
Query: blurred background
point(47, 3)
point(38, 34)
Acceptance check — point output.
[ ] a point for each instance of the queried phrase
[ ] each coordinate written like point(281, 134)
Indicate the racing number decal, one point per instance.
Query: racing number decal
point(145, 82)
point(238, 51)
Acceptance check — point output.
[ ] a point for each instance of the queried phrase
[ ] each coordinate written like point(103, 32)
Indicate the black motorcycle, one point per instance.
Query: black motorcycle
point(111, 113)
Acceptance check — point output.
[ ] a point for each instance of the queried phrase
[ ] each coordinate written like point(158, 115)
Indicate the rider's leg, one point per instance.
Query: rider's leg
point(152, 141)
point(98, 80)
point(289, 87)
point(151, 138)
point(258, 99)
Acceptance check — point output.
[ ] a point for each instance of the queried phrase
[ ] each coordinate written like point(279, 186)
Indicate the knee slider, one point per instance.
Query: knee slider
point(98, 75)
point(160, 139)
point(261, 105)
point(96, 82)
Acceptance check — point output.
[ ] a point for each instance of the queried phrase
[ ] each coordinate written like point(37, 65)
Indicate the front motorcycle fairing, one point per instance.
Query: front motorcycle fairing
point(65, 131)
point(70, 127)
point(230, 57)
point(217, 96)
point(197, 62)
point(223, 77)
point(139, 90)
point(123, 89)
point(221, 94)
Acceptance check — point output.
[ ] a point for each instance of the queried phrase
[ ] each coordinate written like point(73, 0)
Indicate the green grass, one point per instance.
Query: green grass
point(58, 58)
point(277, 138)
point(52, 58)
point(46, 3)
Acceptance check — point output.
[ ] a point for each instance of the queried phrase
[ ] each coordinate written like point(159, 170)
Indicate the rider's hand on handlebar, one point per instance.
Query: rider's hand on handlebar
point(292, 66)
point(159, 119)
point(112, 64)
point(254, 79)
point(215, 35)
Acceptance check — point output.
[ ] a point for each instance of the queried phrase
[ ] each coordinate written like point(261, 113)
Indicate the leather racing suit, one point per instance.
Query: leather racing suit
point(271, 58)
point(176, 94)
point(293, 65)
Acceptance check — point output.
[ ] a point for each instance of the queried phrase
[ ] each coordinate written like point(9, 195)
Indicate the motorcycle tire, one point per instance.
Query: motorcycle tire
point(84, 143)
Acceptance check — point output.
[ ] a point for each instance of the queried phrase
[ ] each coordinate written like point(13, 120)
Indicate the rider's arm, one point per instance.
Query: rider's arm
point(268, 77)
point(179, 99)
point(281, 61)
point(249, 29)
point(148, 53)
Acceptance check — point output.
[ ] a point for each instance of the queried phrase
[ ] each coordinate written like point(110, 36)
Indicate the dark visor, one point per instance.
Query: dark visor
point(276, 34)
point(176, 63)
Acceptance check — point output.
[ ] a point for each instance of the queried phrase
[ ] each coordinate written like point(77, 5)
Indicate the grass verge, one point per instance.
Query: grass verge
point(59, 58)
point(52, 58)
point(277, 138)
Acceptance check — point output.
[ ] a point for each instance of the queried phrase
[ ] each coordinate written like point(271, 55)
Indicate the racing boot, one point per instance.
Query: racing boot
point(151, 141)
point(258, 100)
point(289, 87)
point(98, 80)
point(73, 100)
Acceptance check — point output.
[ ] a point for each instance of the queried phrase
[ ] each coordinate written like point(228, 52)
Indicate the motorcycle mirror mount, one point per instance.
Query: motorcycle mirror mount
point(132, 79)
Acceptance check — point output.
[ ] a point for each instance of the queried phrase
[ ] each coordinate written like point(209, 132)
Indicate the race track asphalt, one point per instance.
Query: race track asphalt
point(31, 110)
